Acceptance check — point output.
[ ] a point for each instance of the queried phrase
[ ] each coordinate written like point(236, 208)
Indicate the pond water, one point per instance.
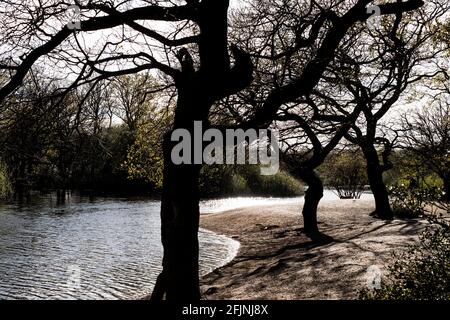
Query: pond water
point(88, 248)
point(97, 248)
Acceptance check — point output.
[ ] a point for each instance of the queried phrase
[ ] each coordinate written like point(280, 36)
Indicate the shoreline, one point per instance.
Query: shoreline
point(276, 260)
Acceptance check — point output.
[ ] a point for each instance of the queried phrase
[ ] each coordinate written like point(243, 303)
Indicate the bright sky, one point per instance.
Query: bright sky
point(94, 39)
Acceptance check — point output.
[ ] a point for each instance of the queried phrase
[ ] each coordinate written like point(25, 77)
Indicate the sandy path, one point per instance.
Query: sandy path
point(277, 261)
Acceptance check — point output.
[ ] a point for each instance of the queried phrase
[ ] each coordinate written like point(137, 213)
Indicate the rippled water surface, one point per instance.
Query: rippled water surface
point(88, 248)
point(98, 248)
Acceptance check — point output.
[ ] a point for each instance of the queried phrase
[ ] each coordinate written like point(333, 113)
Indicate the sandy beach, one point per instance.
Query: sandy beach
point(276, 260)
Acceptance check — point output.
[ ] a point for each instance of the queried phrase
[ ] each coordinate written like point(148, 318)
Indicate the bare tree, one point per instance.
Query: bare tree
point(426, 135)
point(309, 136)
point(200, 80)
point(193, 55)
point(399, 56)
point(132, 96)
point(345, 171)
point(301, 51)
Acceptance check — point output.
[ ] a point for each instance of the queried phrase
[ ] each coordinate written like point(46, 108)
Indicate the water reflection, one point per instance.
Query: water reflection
point(88, 248)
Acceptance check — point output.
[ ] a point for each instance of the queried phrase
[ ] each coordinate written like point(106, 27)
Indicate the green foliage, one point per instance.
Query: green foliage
point(410, 200)
point(422, 272)
point(144, 159)
point(282, 184)
point(238, 185)
point(5, 184)
point(346, 173)
point(223, 180)
point(407, 167)
point(77, 143)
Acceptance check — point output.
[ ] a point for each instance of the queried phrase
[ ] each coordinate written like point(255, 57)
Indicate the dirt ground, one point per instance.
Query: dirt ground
point(277, 260)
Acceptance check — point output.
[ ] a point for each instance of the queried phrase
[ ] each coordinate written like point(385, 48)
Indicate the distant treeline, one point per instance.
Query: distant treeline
point(105, 139)
point(348, 168)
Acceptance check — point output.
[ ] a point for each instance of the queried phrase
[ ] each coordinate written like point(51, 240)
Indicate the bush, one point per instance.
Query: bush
point(223, 180)
point(410, 201)
point(237, 186)
point(345, 172)
point(406, 167)
point(423, 272)
point(281, 184)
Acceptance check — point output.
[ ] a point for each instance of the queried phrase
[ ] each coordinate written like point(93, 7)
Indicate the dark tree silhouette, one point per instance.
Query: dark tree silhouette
point(200, 81)
point(295, 46)
point(322, 132)
point(205, 75)
point(400, 56)
point(371, 69)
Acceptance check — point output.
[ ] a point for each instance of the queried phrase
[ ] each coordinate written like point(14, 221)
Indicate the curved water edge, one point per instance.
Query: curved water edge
point(98, 248)
point(89, 248)
point(219, 240)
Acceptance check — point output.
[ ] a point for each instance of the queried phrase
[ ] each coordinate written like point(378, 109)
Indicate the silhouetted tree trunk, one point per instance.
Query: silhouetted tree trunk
point(197, 92)
point(179, 226)
point(199, 85)
point(180, 213)
point(375, 175)
point(312, 198)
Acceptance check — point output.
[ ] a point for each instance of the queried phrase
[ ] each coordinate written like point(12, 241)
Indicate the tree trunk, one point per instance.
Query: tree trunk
point(180, 212)
point(197, 91)
point(180, 215)
point(375, 175)
point(312, 198)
